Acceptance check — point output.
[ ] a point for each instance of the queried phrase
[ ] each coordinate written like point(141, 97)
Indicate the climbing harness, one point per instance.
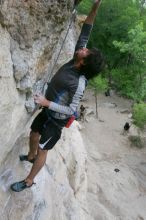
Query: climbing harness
point(71, 119)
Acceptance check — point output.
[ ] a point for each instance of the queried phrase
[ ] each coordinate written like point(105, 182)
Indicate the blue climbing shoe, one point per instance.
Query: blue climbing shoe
point(25, 158)
point(19, 186)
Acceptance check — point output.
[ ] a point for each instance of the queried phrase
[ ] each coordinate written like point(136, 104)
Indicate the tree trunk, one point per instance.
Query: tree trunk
point(96, 105)
point(109, 79)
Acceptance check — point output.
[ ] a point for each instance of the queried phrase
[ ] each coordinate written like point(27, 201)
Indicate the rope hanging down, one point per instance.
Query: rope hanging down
point(51, 73)
point(76, 2)
point(72, 19)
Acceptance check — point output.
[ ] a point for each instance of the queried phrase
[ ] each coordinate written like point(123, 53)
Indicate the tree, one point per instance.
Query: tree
point(98, 84)
point(114, 21)
point(139, 115)
point(134, 58)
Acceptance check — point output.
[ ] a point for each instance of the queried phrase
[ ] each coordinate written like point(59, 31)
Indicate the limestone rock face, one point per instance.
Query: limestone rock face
point(60, 190)
point(13, 114)
point(31, 34)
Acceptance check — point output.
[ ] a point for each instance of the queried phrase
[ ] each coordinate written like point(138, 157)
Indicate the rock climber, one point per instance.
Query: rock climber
point(61, 100)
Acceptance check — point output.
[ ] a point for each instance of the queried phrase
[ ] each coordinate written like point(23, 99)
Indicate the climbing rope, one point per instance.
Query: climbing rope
point(51, 73)
point(76, 2)
point(71, 21)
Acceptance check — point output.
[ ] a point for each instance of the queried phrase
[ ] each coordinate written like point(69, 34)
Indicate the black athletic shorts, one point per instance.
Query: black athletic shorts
point(50, 130)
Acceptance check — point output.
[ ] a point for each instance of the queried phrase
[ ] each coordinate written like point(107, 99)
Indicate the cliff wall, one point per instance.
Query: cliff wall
point(31, 34)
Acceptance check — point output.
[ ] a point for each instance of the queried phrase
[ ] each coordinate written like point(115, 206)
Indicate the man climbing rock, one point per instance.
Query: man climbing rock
point(61, 100)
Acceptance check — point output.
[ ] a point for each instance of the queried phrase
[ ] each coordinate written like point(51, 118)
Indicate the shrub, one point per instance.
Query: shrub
point(139, 115)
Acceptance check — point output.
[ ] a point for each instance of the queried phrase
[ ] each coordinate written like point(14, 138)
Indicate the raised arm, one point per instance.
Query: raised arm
point(87, 26)
point(92, 14)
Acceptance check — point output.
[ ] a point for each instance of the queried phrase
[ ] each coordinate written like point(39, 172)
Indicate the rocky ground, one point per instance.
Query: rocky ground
point(116, 170)
point(93, 173)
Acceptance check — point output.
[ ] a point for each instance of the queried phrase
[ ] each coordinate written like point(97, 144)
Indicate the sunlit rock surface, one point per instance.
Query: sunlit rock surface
point(73, 184)
point(31, 35)
point(60, 190)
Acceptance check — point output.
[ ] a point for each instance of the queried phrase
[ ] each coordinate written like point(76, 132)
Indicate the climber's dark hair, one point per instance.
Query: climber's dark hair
point(93, 63)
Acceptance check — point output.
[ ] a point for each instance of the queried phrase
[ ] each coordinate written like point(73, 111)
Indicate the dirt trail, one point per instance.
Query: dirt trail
point(116, 171)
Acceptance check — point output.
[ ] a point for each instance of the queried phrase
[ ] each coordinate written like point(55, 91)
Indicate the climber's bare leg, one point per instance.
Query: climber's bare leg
point(38, 164)
point(33, 144)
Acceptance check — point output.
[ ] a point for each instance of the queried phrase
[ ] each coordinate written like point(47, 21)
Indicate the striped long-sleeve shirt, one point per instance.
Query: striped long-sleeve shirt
point(67, 86)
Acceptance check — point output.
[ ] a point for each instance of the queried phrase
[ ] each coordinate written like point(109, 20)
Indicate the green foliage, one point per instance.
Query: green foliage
point(112, 23)
point(136, 141)
point(84, 7)
point(132, 77)
point(128, 84)
point(99, 84)
point(135, 47)
point(139, 115)
point(124, 23)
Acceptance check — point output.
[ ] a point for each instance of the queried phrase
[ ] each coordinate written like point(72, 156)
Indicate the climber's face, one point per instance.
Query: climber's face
point(81, 54)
